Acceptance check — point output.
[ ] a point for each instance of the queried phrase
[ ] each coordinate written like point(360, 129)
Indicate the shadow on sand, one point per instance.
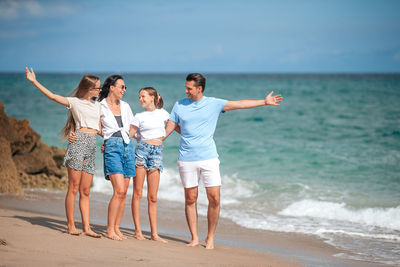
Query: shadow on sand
point(61, 226)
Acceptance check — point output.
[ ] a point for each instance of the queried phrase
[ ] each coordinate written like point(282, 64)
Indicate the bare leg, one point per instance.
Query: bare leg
point(74, 179)
point(84, 203)
point(213, 195)
point(191, 213)
point(137, 195)
point(121, 210)
point(153, 181)
point(117, 199)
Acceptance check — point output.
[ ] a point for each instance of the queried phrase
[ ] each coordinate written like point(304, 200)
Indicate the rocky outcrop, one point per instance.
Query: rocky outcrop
point(25, 161)
point(9, 176)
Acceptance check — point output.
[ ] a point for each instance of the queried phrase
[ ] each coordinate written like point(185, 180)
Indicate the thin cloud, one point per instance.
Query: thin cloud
point(15, 9)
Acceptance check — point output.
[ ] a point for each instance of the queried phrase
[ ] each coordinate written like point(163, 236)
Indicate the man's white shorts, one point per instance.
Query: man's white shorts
point(192, 171)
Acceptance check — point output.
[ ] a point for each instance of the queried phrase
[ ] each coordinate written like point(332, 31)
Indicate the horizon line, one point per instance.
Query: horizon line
point(216, 73)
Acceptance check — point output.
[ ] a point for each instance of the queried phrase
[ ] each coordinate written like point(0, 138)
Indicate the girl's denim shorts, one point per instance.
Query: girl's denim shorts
point(149, 156)
point(119, 158)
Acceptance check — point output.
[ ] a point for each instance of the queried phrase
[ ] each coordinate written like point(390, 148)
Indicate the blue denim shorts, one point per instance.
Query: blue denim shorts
point(118, 157)
point(149, 156)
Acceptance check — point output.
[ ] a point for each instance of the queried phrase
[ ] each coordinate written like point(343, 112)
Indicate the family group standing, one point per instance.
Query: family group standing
point(194, 118)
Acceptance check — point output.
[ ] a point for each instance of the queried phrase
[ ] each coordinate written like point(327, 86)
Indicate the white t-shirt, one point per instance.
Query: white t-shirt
point(86, 113)
point(151, 124)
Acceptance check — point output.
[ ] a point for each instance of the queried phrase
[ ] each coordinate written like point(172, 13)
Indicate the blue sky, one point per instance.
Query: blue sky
point(202, 36)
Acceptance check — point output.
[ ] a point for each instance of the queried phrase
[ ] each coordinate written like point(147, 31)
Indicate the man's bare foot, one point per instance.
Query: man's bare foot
point(73, 231)
point(194, 243)
point(113, 236)
point(139, 236)
point(91, 233)
point(210, 243)
point(118, 232)
point(158, 238)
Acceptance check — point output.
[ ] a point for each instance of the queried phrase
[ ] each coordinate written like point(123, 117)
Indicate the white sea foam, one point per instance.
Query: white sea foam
point(323, 232)
point(101, 185)
point(381, 217)
point(238, 196)
point(246, 203)
point(232, 191)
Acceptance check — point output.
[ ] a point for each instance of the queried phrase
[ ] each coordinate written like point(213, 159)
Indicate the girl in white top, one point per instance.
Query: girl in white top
point(84, 118)
point(150, 126)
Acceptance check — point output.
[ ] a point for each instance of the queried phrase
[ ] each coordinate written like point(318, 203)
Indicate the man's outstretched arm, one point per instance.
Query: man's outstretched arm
point(244, 104)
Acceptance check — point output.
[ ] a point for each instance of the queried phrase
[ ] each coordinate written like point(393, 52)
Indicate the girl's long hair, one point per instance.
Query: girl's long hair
point(111, 80)
point(87, 82)
point(158, 101)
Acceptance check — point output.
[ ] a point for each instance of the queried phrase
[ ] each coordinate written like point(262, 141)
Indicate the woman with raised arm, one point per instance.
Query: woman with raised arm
point(150, 125)
point(84, 119)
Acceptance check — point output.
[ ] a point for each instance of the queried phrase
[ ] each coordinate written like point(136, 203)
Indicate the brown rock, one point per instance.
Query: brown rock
point(39, 160)
point(26, 138)
point(9, 182)
point(42, 180)
point(6, 130)
point(58, 155)
point(25, 161)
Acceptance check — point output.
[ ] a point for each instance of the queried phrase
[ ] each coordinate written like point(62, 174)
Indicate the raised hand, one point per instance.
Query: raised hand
point(273, 100)
point(30, 75)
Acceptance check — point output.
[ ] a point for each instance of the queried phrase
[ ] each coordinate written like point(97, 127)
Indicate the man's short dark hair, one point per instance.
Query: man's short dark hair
point(198, 79)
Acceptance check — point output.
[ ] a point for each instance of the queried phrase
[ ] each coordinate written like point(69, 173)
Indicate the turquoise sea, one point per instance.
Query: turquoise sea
point(325, 163)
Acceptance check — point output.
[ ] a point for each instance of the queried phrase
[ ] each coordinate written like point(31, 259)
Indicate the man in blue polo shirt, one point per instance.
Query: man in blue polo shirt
point(196, 116)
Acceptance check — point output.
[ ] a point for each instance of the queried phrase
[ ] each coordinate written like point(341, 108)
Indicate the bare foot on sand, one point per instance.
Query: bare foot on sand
point(209, 243)
point(91, 233)
point(121, 235)
point(73, 231)
point(194, 243)
point(158, 239)
point(139, 236)
point(113, 236)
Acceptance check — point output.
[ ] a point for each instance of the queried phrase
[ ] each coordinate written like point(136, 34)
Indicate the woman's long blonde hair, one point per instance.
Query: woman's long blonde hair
point(87, 82)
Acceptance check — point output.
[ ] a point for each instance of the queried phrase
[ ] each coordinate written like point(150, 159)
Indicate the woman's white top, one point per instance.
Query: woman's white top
point(110, 124)
point(151, 124)
point(86, 113)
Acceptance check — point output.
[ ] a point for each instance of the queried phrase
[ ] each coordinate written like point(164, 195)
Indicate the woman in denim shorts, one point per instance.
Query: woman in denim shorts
point(150, 125)
point(119, 157)
point(84, 118)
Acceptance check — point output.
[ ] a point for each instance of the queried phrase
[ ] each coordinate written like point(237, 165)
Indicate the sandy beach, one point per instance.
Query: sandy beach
point(32, 232)
point(40, 240)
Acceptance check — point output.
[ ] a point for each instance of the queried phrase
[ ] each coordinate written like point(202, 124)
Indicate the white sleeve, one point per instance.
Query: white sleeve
point(165, 115)
point(129, 113)
point(135, 121)
point(71, 101)
point(101, 109)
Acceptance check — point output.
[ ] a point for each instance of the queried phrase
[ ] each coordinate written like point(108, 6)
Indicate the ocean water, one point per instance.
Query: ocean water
point(325, 163)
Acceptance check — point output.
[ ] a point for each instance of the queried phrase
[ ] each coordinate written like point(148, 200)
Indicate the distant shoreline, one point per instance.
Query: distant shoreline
point(294, 74)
